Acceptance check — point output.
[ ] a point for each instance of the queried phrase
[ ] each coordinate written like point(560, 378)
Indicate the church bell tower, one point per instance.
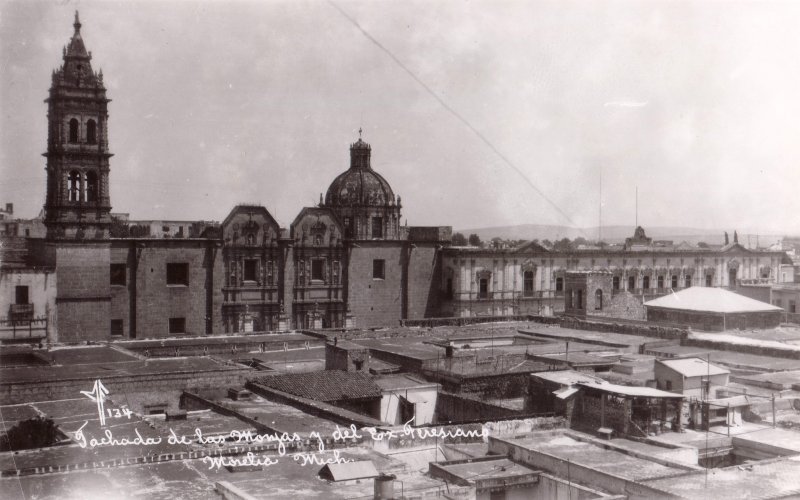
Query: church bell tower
point(78, 205)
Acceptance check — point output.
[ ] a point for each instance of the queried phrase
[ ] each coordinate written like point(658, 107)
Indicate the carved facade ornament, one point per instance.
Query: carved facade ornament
point(733, 264)
point(483, 274)
point(529, 265)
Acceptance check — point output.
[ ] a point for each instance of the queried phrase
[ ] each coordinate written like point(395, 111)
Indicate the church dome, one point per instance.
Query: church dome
point(359, 185)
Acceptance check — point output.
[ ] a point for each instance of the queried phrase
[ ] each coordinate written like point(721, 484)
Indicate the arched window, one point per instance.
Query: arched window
point(91, 187)
point(631, 283)
point(674, 281)
point(91, 132)
point(598, 299)
point(74, 186)
point(73, 130)
point(646, 282)
point(660, 282)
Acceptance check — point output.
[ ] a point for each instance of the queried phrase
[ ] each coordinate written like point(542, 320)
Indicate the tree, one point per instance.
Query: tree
point(474, 240)
point(37, 432)
point(459, 240)
point(562, 245)
point(580, 240)
point(547, 243)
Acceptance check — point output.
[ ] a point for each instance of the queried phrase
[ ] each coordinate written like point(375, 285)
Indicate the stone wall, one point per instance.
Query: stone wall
point(423, 276)
point(375, 302)
point(146, 303)
point(134, 390)
point(643, 330)
point(83, 297)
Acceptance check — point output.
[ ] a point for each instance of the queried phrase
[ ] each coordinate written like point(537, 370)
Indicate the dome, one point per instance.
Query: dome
point(359, 185)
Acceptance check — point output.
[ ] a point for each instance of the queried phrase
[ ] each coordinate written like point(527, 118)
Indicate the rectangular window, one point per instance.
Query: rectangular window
point(177, 325)
point(250, 266)
point(660, 281)
point(178, 274)
point(377, 227)
point(688, 281)
point(336, 268)
point(118, 274)
point(615, 283)
point(527, 283)
point(579, 299)
point(792, 306)
point(348, 227)
point(708, 279)
point(450, 288)
point(318, 269)
point(631, 283)
point(269, 273)
point(674, 281)
point(559, 284)
point(483, 291)
point(21, 295)
point(116, 327)
point(378, 269)
point(669, 385)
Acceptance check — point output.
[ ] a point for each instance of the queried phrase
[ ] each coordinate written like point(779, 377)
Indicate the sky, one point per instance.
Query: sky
point(479, 113)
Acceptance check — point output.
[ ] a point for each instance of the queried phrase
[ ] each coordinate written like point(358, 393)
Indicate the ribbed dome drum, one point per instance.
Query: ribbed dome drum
point(359, 185)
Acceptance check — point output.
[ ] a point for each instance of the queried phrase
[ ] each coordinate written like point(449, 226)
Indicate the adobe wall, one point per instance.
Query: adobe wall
point(375, 302)
point(83, 295)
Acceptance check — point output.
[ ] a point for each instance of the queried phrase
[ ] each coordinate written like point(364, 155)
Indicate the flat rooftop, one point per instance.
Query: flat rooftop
point(497, 468)
point(565, 447)
point(281, 417)
point(775, 478)
point(730, 359)
point(81, 364)
point(610, 339)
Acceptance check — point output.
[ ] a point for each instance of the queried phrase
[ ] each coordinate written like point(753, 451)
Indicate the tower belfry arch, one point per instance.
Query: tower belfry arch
point(77, 205)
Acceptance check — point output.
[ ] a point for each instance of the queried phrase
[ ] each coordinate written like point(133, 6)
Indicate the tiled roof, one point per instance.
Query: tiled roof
point(708, 299)
point(329, 385)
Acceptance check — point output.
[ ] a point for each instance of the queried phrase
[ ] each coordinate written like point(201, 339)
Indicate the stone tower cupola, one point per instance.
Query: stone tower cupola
point(77, 205)
point(363, 200)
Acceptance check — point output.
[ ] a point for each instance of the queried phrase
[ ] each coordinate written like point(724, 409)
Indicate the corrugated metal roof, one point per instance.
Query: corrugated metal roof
point(566, 392)
point(709, 299)
point(693, 367)
point(626, 390)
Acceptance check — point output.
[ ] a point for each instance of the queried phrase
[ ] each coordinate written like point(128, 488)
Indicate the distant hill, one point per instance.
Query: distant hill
point(617, 234)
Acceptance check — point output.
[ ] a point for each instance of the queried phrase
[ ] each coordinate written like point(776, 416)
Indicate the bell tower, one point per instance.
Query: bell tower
point(78, 205)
